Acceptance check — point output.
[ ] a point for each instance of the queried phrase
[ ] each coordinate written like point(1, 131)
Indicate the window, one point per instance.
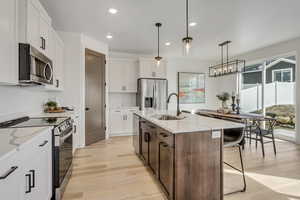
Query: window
point(269, 88)
point(282, 75)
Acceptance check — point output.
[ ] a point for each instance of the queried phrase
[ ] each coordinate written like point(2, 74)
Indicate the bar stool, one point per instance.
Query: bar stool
point(234, 138)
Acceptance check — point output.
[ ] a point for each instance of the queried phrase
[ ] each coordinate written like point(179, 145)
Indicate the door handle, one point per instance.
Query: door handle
point(44, 143)
point(42, 40)
point(29, 183)
point(44, 43)
point(87, 109)
point(11, 170)
point(164, 134)
point(147, 137)
point(33, 178)
point(164, 144)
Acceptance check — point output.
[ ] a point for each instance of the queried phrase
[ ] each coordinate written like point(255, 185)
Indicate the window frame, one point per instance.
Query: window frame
point(281, 74)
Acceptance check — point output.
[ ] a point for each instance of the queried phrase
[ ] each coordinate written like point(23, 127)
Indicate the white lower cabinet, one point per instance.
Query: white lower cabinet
point(121, 122)
point(27, 174)
point(11, 177)
point(38, 167)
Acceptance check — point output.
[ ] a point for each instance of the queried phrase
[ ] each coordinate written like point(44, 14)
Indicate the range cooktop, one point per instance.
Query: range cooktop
point(33, 122)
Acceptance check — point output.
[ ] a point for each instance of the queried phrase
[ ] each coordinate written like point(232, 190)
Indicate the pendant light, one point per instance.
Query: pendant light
point(187, 40)
point(158, 58)
point(227, 66)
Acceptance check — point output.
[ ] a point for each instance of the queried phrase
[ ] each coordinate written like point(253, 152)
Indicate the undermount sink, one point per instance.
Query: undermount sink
point(168, 117)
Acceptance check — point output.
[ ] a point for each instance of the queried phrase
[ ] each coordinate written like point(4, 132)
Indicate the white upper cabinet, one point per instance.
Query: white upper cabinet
point(149, 69)
point(57, 54)
point(122, 75)
point(8, 41)
point(35, 26)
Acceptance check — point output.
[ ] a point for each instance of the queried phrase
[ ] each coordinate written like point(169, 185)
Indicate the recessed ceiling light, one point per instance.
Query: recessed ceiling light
point(193, 23)
point(113, 11)
point(109, 36)
point(168, 43)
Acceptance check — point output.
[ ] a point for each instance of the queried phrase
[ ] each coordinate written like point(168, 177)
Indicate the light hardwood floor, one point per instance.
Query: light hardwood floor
point(109, 170)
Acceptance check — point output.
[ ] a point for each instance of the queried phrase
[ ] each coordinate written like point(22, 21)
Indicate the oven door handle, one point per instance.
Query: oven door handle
point(62, 139)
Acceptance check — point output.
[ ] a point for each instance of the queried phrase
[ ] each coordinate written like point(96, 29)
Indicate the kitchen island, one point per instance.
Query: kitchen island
point(184, 153)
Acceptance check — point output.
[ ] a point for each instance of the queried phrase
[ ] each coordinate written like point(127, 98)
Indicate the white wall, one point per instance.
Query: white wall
point(274, 51)
point(175, 65)
point(16, 101)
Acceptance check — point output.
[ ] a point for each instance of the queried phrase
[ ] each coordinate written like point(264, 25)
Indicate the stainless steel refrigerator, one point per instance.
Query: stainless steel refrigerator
point(152, 94)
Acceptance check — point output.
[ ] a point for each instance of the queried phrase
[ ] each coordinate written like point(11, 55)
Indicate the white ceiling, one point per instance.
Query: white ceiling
point(250, 24)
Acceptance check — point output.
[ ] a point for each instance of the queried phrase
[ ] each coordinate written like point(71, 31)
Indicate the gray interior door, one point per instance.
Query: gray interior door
point(94, 97)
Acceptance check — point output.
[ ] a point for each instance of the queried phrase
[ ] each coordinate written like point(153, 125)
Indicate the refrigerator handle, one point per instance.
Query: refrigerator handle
point(155, 102)
point(153, 97)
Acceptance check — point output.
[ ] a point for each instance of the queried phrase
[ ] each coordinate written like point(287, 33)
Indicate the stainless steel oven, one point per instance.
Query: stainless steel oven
point(62, 157)
point(34, 66)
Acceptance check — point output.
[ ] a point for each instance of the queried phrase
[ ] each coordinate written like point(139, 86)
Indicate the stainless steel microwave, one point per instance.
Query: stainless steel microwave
point(34, 66)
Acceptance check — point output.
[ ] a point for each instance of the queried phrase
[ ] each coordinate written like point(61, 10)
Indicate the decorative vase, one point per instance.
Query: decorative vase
point(51, 108)
point(224, 105)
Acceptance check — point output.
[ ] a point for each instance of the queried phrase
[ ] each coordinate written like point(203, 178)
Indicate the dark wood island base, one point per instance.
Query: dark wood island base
point(188, 166)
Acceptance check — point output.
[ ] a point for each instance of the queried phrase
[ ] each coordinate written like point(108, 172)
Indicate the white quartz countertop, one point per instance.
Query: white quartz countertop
point(191, 122)
point(11, 139)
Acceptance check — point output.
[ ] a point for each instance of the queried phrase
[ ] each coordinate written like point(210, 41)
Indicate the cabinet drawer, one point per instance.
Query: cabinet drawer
point(41, 140)
point(11, 185)
point(165, 168)
point(166, 137)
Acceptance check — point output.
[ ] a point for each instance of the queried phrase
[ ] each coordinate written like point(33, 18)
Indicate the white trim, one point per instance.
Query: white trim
point(271, 64)
point(252, 71)
point(281, 60)
point(120, 134)
point(282, 70)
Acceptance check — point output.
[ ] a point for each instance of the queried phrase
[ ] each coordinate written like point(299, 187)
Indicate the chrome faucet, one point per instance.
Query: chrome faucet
point(168, 101)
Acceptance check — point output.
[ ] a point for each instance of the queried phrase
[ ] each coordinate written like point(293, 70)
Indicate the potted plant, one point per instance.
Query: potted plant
point(224, 97)
point(51, 105)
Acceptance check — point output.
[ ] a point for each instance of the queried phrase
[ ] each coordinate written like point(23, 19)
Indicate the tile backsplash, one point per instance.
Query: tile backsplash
point(16, 100)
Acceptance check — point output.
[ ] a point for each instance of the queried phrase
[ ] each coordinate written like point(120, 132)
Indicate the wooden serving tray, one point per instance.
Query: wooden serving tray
point(55, 111)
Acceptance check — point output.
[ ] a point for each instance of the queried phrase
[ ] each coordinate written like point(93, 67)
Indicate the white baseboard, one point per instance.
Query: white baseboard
point(120, 134)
